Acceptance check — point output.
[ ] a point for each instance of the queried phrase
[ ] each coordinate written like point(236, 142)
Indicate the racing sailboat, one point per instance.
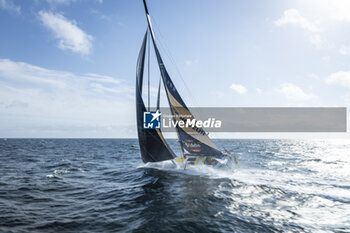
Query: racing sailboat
point(197, 147)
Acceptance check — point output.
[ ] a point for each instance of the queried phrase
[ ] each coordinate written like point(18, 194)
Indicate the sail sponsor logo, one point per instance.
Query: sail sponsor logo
point(192, 146)
point(191, 123)
point(151, 120)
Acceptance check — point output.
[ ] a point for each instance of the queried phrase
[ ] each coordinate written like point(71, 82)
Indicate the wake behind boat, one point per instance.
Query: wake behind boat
point(197, 147)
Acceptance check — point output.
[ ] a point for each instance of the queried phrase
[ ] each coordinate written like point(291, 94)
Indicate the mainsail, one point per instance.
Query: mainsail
point(194, 141)
point(153, 146)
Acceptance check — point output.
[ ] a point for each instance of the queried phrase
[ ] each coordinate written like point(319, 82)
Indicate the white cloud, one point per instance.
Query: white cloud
point(40, 102)
point(323, 16)
point(319, 42)
point(292, 16)
point(314, 33)
point(190, 62)
point(218, 94)
point(314, 76)
point(344, 50)
point(259, 91)
point(99, 87)
point(31, 74)
point(329, 10)
point(67, 2)
point(341, 78)
point(238, 88)
point(339, 9)
point(103, 78)
point(9, 5)
point(293, 92)
point(68, 34)
point(326, 59)
point(102, 16)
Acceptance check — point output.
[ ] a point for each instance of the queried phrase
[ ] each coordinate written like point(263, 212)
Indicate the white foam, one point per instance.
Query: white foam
point(296, 182)
point(56, 173)
point(196, 170)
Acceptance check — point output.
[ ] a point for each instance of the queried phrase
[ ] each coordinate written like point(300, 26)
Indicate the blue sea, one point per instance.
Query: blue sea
point(101, 185)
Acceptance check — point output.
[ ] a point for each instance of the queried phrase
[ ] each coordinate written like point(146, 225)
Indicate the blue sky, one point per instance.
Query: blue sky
point(67, 67)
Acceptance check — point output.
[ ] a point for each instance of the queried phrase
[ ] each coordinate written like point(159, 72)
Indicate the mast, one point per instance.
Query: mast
point(148, 71)
point(149, 21)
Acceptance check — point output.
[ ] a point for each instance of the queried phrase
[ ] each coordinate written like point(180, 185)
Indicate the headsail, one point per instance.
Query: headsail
point(192, 140)
point(153, 146)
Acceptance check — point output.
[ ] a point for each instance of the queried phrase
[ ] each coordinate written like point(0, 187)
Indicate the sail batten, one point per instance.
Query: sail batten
point(158, 95)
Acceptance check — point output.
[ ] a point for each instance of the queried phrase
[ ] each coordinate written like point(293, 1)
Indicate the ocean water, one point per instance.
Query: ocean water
point(101, 185)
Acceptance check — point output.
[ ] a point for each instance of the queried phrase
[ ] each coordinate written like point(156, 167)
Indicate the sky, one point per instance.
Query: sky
point(67, 67)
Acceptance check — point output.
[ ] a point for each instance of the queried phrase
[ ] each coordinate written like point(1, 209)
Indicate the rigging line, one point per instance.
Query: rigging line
point(148, 69)
point(172, 60)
